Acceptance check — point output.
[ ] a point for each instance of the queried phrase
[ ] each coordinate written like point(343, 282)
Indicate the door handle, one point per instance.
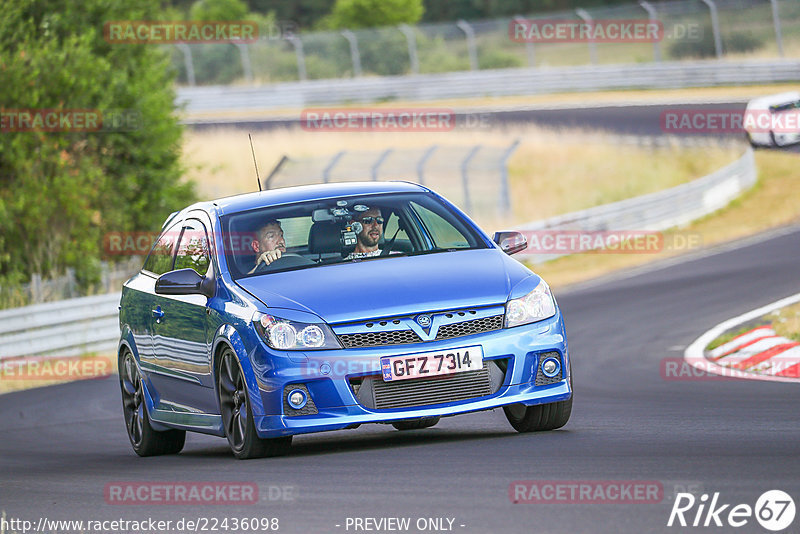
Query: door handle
point(158, 313)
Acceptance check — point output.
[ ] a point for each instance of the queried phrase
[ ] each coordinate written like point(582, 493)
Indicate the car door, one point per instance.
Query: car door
point(142, 298)
point(181, 349)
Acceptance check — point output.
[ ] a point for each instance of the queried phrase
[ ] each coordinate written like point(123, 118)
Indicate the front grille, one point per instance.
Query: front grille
point(434, 390)
point(468, 328)
point(379, 339)
point(404, 337)
point(372, 392)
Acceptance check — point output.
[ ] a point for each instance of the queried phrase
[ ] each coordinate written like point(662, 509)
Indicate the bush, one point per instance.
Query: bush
point(60, 192)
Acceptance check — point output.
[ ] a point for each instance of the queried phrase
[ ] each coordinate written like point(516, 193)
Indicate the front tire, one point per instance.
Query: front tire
point(145, 440)
point(540, 417)
point(237, 415)
point(416, 424)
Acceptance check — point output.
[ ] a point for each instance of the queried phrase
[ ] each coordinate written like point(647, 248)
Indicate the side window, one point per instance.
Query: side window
point(444, 234)
point(160, 259)
point(393, 229)
point(193, 248)
point(295, 231)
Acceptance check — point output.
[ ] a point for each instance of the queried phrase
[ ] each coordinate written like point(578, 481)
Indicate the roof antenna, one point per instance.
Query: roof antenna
point(254, 160)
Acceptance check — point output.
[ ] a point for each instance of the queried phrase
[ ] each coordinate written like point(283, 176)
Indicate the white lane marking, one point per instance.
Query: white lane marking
point(694, 352)
point(741, 340)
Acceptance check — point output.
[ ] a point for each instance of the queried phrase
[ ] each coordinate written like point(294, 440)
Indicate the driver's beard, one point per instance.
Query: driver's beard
point(368, 242)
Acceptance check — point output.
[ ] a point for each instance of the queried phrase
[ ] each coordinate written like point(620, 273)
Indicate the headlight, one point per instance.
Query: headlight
point(283, 334)
point(535, 306)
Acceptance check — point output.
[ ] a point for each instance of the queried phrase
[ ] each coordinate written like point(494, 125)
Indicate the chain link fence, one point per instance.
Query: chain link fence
point(42, 289)
point(693, 29)
point(475, 177)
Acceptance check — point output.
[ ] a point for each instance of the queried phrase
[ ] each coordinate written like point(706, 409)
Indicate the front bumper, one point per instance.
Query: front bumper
point(327, 375)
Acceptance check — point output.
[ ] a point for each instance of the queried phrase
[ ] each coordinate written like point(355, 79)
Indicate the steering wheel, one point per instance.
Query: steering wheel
point(287, 260)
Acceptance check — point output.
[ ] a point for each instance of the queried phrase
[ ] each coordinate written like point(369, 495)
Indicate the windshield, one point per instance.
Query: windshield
point(310, 234)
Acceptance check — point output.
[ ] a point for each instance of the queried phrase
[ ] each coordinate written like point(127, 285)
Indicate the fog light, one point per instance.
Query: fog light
point(551, 367)
point(296, 399)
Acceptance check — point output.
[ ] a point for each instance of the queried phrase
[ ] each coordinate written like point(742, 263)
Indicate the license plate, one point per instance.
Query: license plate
point(433, 363)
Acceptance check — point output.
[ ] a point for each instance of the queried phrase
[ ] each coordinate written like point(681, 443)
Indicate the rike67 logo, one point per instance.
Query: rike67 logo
point(774, 510)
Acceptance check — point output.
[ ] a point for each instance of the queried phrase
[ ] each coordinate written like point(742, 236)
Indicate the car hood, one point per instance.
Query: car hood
point(392, 286)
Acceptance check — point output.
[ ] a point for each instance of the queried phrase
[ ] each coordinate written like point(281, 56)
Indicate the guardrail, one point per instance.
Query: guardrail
point(670, 208)
point(91, 324)
point(219, 100)
point(63, 328)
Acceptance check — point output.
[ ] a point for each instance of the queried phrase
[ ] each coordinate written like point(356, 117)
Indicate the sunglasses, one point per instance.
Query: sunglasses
point(369, 220)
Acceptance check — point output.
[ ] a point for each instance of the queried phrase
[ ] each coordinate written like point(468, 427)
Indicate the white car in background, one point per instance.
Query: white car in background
point(773, 120)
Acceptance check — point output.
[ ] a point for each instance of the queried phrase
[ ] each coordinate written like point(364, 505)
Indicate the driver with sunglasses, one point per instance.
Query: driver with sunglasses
point(371, 232)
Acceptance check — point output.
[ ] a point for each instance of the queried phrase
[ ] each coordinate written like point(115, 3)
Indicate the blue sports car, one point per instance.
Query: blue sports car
point(282, 312)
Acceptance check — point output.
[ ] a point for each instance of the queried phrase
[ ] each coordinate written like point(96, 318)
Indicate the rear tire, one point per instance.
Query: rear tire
point(416, 424)
point(237, 416)
point(145, 440)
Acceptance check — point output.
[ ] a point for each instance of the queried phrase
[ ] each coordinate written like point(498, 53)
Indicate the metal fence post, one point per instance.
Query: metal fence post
point(247, 67)
point(411, 39)
point(529, 50)
point(471, 46)
point(587, 18)
point(275, 171)
point(36, 288)
point(653, 14)
point(300, 55)
point(465, 178)
point(712, 7)
point(505, 188)
point(355, 56)
point(421, 163)
point(776, 20)
point(326, 173)
point(378, 162)
point(187, 61)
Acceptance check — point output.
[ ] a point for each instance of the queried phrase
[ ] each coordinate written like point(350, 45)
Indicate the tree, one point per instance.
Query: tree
point(60, 192)
point(354, 14)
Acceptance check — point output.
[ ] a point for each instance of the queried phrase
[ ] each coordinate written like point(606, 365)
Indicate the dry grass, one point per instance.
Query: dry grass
point(786, 322)
point(550, 173)
point(771, 203)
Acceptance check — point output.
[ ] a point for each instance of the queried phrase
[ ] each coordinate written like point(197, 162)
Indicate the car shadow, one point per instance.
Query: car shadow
point(344, 441)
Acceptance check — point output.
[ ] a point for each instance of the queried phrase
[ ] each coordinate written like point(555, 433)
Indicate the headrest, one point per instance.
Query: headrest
point(325, 237)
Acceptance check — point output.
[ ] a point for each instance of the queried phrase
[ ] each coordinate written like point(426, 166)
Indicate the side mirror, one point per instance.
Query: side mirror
point(184, 282)
point(510, 242)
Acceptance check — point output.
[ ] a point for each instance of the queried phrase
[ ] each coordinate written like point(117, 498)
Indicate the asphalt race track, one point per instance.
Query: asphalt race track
point(62, 445)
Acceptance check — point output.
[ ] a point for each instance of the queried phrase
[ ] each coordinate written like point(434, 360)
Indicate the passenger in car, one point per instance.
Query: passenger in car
point(369, 236)
point(269, 244)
